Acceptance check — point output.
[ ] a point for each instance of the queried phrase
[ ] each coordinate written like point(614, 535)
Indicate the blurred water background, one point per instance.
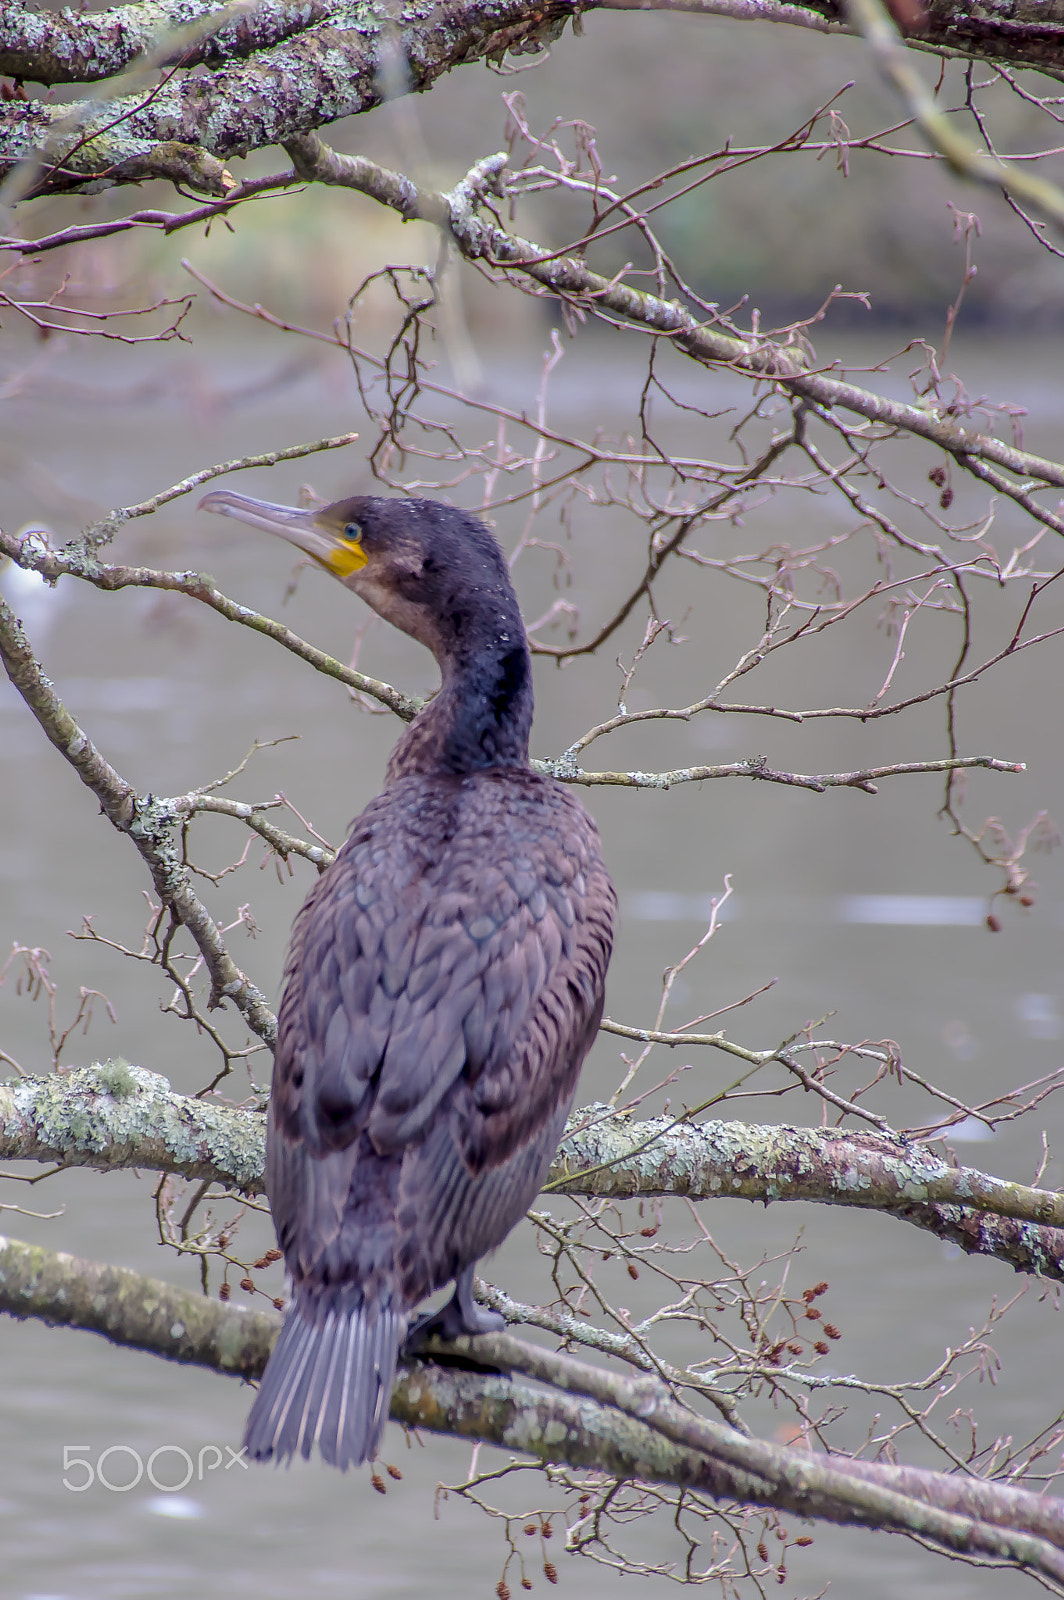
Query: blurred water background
point(860, 907)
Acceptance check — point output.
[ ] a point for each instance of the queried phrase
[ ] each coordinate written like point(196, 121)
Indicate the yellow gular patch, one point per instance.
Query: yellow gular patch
point(348, 557)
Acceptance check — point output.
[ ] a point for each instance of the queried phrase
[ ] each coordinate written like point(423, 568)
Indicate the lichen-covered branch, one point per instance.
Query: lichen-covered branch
point(121, 1116)
point(130, 1309)
point(797, 1480)
point(280, 70)
point(284, 844)
point(482, 240)
point(86, 47)
point(617, 1157)
point(975, 32)
point(628, 1347)
point(631, 1428)
point(866, 778)
point(335, 69)
point(116, 1115)
point(116, 797)
point(139, 816)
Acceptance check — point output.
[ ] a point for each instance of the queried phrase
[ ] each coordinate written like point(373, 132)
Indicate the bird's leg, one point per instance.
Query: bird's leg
point(461, 1316)
point(475, 1319)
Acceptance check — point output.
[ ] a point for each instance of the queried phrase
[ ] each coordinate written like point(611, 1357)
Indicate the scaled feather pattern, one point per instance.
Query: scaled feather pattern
point(444, 983)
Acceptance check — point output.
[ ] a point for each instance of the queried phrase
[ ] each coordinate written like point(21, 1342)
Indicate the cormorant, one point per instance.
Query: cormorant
point(443, 985)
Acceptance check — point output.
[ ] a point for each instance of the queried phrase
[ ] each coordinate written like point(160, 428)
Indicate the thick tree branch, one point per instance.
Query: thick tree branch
point(310, 65)
point(631, 1428)
point(122, 1116)
point(85, 47)
point(976, 33)
point(616, 1157)
point(335, 69)
point(795, 1480)
point(116, 1115)
point(130, 1309)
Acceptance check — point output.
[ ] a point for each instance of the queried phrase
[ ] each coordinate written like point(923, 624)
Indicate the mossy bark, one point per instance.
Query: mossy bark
point(587, 1417)
point(116, 1115)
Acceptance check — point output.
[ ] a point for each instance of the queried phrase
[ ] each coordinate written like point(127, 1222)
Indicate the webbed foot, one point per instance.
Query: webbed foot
point(460, 1318)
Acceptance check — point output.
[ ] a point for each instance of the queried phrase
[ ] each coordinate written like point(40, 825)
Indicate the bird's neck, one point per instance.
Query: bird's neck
point(482, 716)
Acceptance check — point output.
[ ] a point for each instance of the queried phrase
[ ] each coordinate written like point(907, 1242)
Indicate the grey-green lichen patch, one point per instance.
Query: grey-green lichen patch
point(607, 1154)
point(117, 1076)
point(120, 1115)
point(525, 1431)
point(237, 1340)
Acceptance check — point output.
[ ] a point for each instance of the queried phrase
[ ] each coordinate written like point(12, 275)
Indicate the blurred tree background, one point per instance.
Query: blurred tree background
point(658, 88)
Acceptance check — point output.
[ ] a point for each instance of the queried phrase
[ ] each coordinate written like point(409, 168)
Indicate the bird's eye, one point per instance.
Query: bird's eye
point(353, 533)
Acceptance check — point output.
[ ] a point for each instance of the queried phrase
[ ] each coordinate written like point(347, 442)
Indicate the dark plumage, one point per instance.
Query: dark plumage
point(443, 986)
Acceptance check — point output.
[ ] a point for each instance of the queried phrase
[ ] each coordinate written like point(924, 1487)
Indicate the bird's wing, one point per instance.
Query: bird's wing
point(483, 1156)
point(467, 951)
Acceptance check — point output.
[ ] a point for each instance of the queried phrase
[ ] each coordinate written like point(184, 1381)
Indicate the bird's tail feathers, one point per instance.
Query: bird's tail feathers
point(328, 1380)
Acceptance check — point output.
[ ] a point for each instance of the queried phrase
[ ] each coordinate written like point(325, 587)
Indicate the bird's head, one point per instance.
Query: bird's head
point(430, 569)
